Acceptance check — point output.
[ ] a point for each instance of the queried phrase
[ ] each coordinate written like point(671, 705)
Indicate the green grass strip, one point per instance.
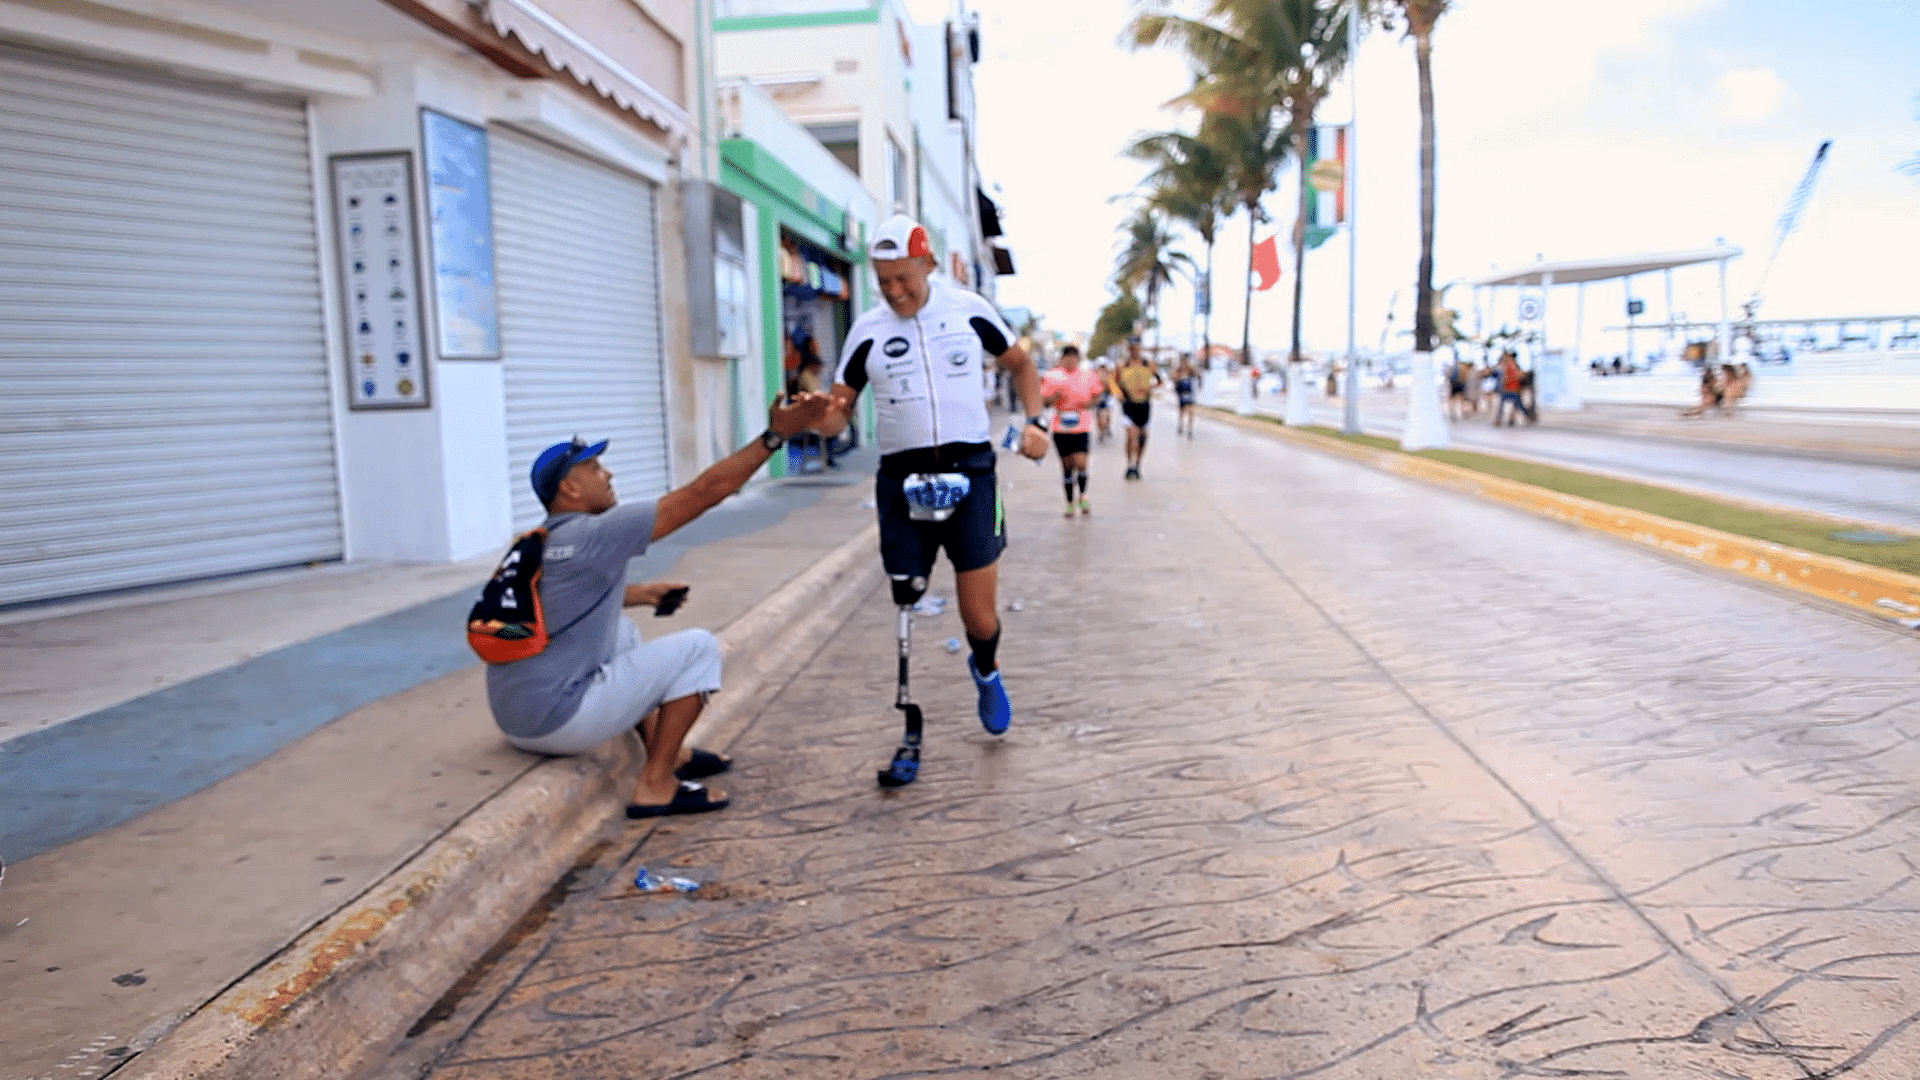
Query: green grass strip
point(1789, 530)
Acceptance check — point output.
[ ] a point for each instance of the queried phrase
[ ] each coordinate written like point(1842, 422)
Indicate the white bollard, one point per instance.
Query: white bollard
point(1426, 422)
point(1299, 410)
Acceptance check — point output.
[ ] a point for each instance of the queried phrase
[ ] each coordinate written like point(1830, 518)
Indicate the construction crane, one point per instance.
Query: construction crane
point(1789, 219)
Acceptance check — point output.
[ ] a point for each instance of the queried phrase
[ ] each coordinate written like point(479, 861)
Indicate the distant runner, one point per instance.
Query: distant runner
point(1186, 387)
point(1071, 390)
point(1133, 384)
point(923, 351)
point(1103, 408)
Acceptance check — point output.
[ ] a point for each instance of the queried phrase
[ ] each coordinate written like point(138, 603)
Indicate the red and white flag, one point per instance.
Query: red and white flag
point(1266, 263)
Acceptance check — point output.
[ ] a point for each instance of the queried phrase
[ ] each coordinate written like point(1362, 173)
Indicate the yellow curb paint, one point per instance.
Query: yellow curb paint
point(353, 932)
point(1870, 589)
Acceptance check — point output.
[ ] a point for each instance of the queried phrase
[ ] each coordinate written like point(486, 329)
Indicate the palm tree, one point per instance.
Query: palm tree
point(1148, 262)
point(1420, 15)
point(1117, 322)
point(1189, 182)
point(1238, 87)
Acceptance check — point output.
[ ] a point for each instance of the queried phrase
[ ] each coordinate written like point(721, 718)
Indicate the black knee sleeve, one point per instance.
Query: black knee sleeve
point(1081, 478)
point(907, 590)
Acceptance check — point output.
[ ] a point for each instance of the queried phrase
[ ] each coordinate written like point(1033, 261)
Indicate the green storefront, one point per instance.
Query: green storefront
point(801, 233)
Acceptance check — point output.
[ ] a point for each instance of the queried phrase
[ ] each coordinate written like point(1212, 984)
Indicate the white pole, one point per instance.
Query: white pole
point(1350, 408)
point(1727, 331)
point(1667, 341)
point(1579, 323)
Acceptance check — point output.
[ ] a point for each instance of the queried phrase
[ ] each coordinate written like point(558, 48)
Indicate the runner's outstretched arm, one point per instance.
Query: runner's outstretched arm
point(724, 477)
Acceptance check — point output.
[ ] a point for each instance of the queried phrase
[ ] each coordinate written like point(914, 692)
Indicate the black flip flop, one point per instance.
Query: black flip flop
point(690, 799)
point(702, 764)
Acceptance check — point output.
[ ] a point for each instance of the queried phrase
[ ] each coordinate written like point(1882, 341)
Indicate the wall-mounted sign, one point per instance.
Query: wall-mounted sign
point(460, 205)
point(373, 223)
point(1530, 308)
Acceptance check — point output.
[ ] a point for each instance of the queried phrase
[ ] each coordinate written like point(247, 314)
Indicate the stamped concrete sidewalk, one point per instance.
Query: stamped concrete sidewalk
point(1315, 772)
point(107, 941)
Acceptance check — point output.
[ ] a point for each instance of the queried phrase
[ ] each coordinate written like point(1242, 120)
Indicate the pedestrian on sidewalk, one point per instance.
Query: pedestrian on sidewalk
point(1737, 380)
point(1070, 391)
point(596, 679)
point(922, 351)
point(1512, 402)
point(1712, 392)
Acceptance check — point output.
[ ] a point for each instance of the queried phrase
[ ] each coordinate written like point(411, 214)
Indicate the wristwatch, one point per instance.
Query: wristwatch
point(1038, 421)
point(772, 440)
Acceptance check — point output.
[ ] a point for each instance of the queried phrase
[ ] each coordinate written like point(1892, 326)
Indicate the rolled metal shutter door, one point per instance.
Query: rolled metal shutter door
point(579, 314)
point(164, 410)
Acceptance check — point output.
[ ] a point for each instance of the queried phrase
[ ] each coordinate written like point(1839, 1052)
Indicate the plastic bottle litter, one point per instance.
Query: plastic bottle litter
point(931, 605)
point(1016, 606)
point(952, 644)
point(1012, 437)
point(647, 882)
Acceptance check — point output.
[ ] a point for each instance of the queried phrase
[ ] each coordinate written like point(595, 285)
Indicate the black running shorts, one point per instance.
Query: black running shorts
point(1137, 412)
point(1070, 442)
point(974, 536)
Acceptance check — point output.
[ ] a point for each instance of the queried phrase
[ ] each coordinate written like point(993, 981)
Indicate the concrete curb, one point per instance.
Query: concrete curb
point(1872, 590)
point(353, 983)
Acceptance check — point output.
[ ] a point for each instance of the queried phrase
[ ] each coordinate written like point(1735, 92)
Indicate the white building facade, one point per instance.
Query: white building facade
point(891, 100)
point(290, 282)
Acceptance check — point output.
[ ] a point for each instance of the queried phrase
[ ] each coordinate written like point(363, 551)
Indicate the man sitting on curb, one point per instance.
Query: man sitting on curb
point(597, 679)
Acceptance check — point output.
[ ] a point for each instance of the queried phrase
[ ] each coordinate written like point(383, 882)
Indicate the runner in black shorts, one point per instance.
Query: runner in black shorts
point(1186, 387)
point(1071, 391)
point(1134, 384)
point(924, 353)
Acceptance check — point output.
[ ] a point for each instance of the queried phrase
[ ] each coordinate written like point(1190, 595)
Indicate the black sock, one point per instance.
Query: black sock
point(1081, 477)
point(985, 653)
point(1066, 481)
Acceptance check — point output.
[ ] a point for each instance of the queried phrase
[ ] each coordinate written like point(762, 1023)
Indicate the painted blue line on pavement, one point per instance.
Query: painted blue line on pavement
point(107, 767)
point(97, 771)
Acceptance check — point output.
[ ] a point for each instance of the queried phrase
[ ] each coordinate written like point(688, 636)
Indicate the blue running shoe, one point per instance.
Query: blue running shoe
point(996, 712)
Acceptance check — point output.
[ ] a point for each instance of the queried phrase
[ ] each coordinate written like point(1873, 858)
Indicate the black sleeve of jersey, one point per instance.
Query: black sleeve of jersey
point(856, 373)
point(989, 336)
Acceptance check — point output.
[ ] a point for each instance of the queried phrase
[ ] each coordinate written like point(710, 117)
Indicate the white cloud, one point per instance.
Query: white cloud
point(1750, 96)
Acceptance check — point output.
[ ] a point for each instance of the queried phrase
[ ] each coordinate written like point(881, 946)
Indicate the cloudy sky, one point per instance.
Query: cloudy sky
point(1566, 129)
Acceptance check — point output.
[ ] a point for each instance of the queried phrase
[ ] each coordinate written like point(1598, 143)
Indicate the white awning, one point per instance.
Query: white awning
point(1568, 273)
point(569, 52)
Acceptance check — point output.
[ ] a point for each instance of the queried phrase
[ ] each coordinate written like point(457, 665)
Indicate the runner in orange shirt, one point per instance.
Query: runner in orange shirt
point(1072, 391)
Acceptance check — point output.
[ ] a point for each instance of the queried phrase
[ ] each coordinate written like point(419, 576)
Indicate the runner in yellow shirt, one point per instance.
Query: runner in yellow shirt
point(1133, 383)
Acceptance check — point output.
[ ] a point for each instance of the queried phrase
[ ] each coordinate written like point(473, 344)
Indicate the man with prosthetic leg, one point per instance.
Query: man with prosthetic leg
point(923, 352)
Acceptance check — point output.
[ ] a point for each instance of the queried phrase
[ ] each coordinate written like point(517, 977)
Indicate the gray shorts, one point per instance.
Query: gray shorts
point(641, 675)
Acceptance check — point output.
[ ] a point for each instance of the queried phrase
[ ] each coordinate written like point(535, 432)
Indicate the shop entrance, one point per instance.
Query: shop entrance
point(816, 291)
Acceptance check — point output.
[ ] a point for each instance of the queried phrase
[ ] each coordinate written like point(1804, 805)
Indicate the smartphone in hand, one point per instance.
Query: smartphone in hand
point(670, 602)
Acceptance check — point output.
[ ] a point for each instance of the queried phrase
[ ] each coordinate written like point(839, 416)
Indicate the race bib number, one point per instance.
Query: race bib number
point(934, 496)
point(1069, 419)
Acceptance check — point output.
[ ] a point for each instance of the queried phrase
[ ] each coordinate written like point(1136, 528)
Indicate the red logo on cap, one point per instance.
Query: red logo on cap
point(917, 243)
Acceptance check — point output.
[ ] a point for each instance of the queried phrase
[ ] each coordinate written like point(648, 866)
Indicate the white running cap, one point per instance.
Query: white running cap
point(898, 237)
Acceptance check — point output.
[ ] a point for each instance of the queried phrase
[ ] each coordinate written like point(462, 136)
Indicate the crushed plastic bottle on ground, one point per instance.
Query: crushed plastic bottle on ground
point(931, 605)
point(649, 882)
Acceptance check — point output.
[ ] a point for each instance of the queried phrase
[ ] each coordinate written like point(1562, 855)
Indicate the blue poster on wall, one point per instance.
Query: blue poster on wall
point(460, 203)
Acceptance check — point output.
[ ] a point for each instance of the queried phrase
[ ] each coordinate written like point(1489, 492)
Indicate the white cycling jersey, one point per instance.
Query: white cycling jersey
point(927, 372)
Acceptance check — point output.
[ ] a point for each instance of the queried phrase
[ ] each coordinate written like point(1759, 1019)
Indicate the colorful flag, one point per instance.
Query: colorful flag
point(1326, 179)
point(1266, 264)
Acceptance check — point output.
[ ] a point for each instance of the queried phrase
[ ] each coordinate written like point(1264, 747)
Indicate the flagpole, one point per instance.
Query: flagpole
point(1350, 415)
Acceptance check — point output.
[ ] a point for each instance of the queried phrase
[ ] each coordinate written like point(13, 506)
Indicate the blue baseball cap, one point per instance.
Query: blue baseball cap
point(552, 465)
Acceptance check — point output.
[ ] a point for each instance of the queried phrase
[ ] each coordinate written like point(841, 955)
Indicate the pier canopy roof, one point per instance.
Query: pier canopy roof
point(1569, 273)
